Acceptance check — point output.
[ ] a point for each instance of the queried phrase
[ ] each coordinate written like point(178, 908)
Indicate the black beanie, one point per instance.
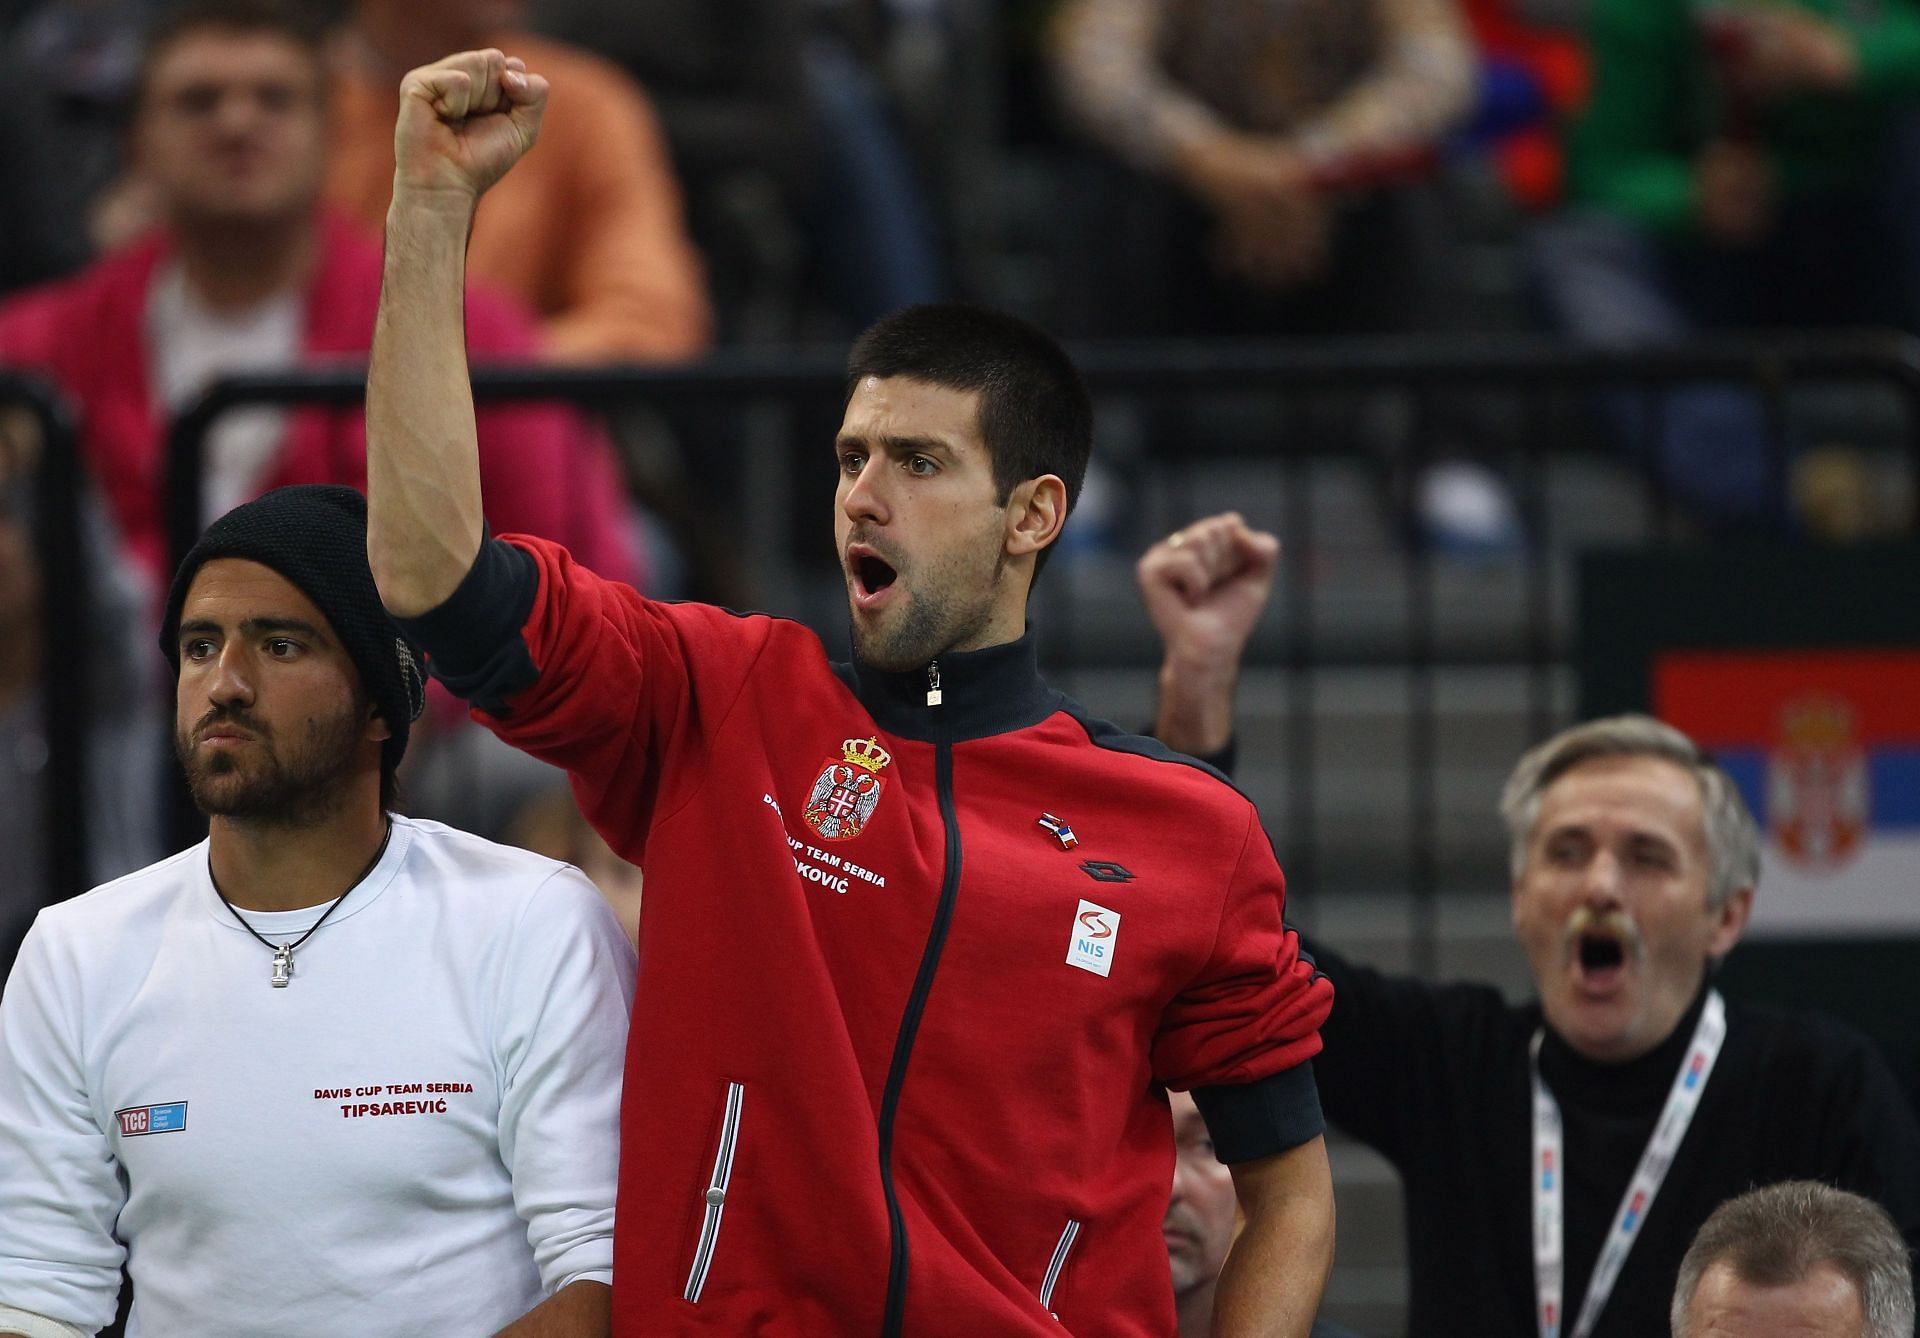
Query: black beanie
point(315, 535)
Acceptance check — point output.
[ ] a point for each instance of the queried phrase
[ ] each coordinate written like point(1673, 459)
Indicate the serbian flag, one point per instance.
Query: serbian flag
point(1825, 746)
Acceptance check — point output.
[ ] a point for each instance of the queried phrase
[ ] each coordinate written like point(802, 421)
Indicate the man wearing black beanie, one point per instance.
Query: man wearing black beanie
point(314, 537)
point(365, 1063)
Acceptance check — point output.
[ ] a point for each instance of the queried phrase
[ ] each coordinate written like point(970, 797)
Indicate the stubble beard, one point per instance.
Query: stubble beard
point(302, 789)
point(935, 620)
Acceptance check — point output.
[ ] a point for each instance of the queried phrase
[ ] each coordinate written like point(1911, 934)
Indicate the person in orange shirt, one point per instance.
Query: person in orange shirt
point(589, 233)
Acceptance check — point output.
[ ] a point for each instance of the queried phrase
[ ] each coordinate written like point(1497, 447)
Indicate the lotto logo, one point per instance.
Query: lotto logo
point(136, 1120)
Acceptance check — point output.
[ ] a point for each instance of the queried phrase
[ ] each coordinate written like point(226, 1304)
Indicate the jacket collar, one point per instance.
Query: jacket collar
point(982, 692)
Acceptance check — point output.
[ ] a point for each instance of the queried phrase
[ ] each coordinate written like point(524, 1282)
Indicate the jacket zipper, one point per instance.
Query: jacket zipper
point(1058, 1264)
point(716, 1195)
point(895, 1314)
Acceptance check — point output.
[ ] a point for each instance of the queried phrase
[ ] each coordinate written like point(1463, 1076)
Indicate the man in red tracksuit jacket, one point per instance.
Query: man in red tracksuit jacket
point(920, 941)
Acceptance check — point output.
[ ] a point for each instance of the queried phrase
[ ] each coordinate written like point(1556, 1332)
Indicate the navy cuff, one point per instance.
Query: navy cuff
point(1264, 1118)
point(473, 639)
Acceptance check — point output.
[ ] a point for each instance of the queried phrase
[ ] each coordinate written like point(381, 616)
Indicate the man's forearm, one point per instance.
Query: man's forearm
point(1271, 1284)
point(1194, 712)
point(577, 1310)
point(424, 518)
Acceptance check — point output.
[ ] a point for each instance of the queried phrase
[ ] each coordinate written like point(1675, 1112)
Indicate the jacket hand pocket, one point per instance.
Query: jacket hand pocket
point(1057, 1266)
point(716, 1193)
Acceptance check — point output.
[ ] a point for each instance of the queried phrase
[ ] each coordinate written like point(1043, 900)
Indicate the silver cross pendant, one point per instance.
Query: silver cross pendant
point(282, 965)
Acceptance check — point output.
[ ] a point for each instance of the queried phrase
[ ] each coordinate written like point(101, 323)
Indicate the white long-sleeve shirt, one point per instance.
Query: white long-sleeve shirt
point(418, 1135)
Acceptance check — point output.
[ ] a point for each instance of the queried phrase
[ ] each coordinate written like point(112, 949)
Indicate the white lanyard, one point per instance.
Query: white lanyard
point(1549, 1179)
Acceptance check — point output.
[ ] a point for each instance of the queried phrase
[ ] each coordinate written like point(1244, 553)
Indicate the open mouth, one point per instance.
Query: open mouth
point(1600, 959)
point(872, 576)
point(875, 575)
point(1598, 952)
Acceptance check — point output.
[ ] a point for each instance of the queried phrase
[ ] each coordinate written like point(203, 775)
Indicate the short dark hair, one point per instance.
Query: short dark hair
point(1774, 1237)
point(1035, 416)
point(301, 25)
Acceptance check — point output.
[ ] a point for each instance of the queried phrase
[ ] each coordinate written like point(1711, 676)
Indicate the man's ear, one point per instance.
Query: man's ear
point(1036, 511)
point(1730, 922)
point(377, 730)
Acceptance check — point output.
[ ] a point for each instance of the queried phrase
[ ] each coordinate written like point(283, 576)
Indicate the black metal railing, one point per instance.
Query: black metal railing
point(1771, 366)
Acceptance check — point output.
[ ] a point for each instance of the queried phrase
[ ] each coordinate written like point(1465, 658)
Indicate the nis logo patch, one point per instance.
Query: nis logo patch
point(846, 793)
point(137, 1120)
point(1095, 931)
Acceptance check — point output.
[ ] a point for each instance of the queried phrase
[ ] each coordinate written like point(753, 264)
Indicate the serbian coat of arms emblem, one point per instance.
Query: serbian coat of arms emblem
point(1818, 801)
point(846, 792)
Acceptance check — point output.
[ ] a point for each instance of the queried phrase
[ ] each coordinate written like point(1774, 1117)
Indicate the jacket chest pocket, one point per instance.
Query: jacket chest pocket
point(718, 1185)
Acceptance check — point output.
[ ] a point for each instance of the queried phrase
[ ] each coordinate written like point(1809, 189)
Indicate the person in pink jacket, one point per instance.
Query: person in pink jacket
point(249, 273)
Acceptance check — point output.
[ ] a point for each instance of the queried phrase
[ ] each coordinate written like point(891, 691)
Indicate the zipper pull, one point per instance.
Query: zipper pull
point(933, 683)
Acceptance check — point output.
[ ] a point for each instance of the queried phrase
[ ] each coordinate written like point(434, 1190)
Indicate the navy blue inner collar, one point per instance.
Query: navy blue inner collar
point(983, 692)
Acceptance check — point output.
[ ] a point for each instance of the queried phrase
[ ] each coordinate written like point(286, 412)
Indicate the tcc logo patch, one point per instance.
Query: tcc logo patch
point(1095, 931)
point(136, 1120)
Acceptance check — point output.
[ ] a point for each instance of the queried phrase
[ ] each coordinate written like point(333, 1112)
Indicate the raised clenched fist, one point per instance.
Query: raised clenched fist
point(464, 121)
point(1204, 587)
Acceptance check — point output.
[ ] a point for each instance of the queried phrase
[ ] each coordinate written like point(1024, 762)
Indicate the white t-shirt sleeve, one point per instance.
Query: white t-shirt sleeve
point(560, 1038)
point(60, 1186)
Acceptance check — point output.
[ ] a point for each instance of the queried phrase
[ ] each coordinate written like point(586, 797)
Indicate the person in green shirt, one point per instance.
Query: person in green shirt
point(1742, 163)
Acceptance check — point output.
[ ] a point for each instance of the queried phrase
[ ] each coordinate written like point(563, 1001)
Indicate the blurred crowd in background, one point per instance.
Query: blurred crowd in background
point(751, 171)
point(195, 192)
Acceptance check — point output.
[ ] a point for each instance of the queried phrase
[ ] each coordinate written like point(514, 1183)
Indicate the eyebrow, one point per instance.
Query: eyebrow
point(257, 627)
point(1638, 835)
point(897, 445)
